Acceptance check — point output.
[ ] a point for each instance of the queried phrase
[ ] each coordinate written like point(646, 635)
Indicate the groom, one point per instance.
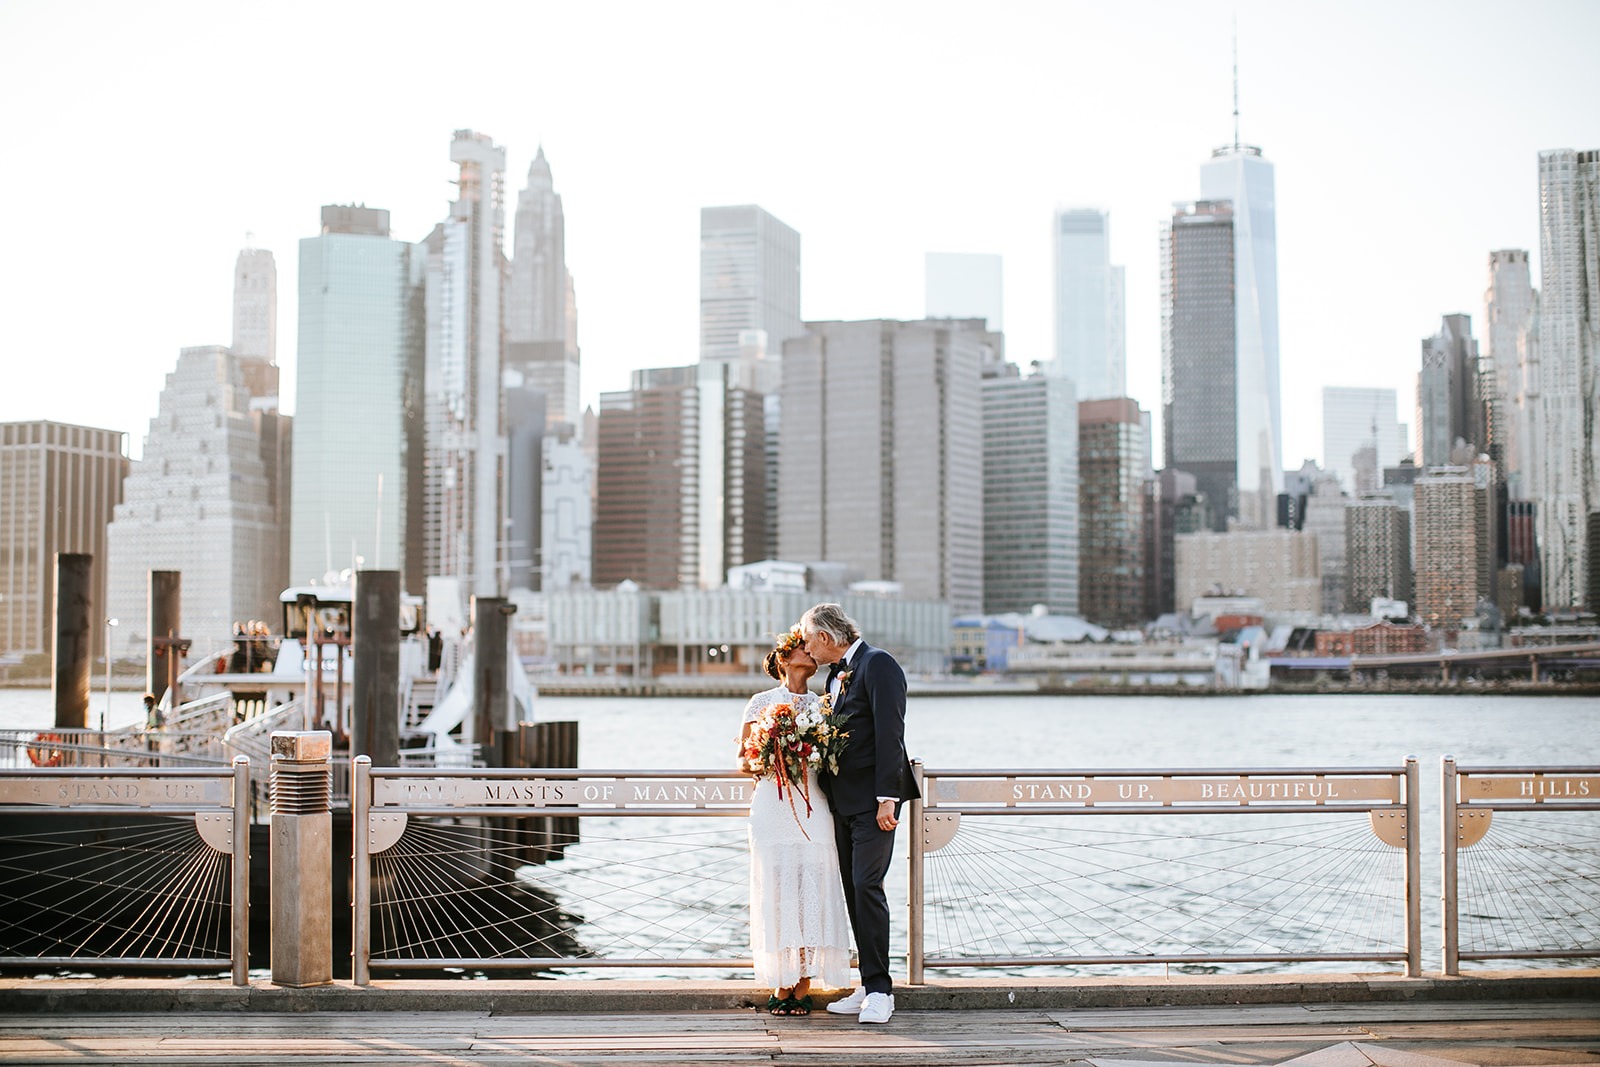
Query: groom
point(874, 777)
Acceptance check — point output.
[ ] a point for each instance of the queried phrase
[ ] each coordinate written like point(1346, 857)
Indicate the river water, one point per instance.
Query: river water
point(1070, 732)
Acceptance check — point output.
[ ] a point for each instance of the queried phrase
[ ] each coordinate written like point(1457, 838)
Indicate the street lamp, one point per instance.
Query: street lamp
point(110, 625)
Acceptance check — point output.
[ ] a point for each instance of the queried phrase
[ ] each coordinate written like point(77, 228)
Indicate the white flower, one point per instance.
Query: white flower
point(815, 757)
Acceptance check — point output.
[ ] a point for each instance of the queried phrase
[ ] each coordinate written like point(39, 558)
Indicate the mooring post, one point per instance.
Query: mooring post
point(302, 858)
point(375, 645)
point(70, 674)
point(164, 661)
point(491, 621)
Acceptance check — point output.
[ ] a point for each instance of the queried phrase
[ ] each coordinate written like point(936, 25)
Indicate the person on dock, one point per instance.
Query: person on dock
point(799, 930)
point(868, 688)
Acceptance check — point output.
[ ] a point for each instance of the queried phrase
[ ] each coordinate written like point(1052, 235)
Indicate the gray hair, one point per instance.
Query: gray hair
point(830, 619)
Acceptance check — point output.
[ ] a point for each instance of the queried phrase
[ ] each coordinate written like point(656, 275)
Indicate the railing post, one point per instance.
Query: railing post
point(361, 870)
point(1413, 868)
point(302, 866)
point(916, 837)
point(1448, 836)
point(241, 870)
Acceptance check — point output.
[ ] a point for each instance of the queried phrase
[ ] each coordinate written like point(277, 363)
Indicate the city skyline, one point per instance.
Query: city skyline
point(1334, 96)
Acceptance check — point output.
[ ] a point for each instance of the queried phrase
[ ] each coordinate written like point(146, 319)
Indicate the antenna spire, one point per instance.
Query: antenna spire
point(1236, 82)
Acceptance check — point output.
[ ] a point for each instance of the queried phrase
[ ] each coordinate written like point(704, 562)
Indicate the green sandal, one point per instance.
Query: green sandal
point(801, 1006)
point(777, 1005)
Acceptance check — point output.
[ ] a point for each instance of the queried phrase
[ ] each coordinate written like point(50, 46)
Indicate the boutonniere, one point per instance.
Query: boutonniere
point(844, 680)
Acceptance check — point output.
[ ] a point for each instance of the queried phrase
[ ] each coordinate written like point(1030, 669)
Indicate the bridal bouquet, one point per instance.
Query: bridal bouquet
point(787, 740)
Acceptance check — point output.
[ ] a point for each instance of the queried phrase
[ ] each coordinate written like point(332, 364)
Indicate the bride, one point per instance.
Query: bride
point(799, 931)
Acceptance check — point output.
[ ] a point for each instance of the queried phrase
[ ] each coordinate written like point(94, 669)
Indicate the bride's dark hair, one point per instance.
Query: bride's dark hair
point(772, 665)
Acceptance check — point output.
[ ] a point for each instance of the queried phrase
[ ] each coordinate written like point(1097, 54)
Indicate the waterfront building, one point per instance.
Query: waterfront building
point(198, 502)
point(1276, 566)
point(1509, 305)
point(541, 304)
point(1239, 175)
point(1200, 375)
point(1377, 551)
point(59, 486)
point(645, 633)
point(960, 285)
point(1112, 471)
point(888, 416)
point(1447, 388)
point(1090, 306)
point(1564, 434)
point(461, 270)
point(1446, 547)
point(352, 501)
point(1356, 418)
point(648, 526)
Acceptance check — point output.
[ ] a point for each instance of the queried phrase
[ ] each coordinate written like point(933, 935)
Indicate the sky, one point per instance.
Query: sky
point(145, 144)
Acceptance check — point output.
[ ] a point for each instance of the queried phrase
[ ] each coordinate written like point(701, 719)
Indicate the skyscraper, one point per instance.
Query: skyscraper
point(749, 280)
point(1569, 371)
point(648, 522)
point(1324, 519)
point(749, 306)
point(1031, 523)
point(1509, 304)
point(1238, 173)
point(1447, 388)
point(351, 490)
point(542, 360)
point(1354, 418)
point(59, 485)
point(541, 307)
point(1447, 547)
point(199, 502)
point(463, 281)
point(1112, 476)
point(255, 319)
point(1090, 306)
point(1200, 391)
point(888, 417)
point(1377, 550)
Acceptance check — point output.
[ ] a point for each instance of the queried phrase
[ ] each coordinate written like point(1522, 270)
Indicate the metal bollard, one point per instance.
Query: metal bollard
point(302, 858)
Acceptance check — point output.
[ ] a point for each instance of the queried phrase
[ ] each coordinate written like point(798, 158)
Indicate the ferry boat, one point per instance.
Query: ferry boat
point(230, 701)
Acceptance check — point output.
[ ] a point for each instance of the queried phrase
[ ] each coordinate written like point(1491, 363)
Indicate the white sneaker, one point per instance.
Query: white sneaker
point(850, 1005)
point(877, 1008)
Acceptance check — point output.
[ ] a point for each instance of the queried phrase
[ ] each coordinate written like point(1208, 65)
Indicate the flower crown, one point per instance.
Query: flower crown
point(790, 641)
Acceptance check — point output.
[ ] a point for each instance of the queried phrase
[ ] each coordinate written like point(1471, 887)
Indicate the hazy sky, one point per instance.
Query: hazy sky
point(143, 142)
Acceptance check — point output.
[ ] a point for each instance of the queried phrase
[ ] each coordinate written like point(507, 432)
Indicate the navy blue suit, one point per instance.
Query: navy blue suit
point(874, 765)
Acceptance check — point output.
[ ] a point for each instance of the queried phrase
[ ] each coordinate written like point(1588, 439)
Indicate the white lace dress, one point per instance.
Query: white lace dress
point(798, 924)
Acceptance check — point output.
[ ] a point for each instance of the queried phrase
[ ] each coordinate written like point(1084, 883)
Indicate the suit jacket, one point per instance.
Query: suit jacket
point(874, 763)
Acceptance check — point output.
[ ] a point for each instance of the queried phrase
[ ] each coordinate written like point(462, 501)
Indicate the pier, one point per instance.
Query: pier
point(1351, 1021)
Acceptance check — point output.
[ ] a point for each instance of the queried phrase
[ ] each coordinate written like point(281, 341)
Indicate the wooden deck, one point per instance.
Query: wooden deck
point(1524, 1033)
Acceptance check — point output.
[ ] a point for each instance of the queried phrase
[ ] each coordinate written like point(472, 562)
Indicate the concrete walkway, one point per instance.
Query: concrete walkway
point(1504, 1021)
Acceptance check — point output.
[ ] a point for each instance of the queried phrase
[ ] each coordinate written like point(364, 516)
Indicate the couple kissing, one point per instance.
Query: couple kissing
point(832, 773)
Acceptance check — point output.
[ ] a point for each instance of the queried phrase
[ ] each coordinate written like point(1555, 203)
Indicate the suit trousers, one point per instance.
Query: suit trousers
point(864, 855)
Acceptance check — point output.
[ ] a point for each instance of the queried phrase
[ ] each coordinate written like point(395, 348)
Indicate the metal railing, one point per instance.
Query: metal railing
point(451, 841)
point(1521, 839)
point(131, 886)
point(1070, 868)
point(60, 747)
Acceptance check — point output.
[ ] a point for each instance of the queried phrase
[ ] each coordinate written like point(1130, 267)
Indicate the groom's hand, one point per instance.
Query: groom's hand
point(886, 819)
